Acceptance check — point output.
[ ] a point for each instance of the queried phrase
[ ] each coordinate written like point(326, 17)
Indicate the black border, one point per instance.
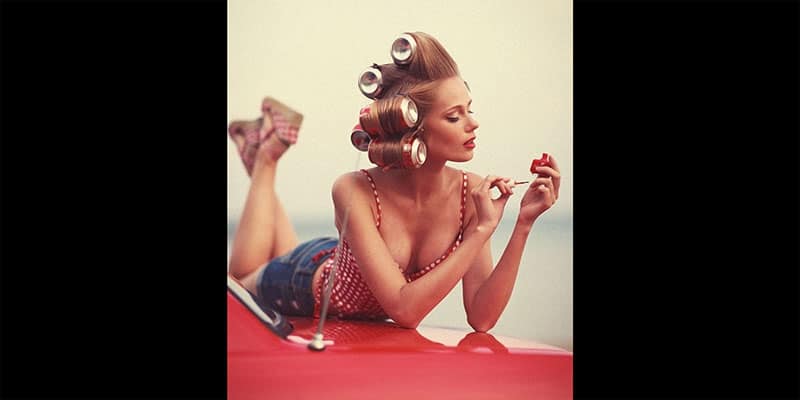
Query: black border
point(686, 216)
point(686, 210)
point(113, 199)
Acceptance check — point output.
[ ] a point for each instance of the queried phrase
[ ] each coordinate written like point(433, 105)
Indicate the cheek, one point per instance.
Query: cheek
point(440, 131)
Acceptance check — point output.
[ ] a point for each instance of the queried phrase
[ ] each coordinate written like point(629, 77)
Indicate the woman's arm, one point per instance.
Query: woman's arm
point(486, 291)
point(407, 303)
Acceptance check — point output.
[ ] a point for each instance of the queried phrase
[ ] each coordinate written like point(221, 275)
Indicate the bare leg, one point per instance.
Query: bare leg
point(285, 235)
point(264, 231)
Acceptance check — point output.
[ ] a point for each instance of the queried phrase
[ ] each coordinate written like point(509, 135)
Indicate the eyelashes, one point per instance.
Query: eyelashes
point(455, 119)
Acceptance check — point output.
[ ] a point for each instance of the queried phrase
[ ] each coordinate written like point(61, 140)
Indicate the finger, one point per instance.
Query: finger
point(502, 200)
point(556, 186)
point(481, 192)
point(509, 187)
point(504, 186)
point(494, 179)
point(557, 177)
point(548, 171)
point(542, 188)
point(487, 183)
point(552, 162)
point(497, 179)
point(542, 181)
point(490, 182)
point(480, 186)
point(505, 193)
point(551, 195)
point(553, 173)
point(539, 184)
point(551, 190)
point(547, 192)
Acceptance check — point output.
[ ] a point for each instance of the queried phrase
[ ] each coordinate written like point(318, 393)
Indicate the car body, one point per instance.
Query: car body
point(269, 357)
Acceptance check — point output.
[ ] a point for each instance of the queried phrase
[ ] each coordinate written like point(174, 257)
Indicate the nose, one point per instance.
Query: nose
point(473, 123)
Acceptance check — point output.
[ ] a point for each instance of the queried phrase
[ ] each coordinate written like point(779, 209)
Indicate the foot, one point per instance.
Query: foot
point(248, 136)
point(286, 122)
point(254, 139)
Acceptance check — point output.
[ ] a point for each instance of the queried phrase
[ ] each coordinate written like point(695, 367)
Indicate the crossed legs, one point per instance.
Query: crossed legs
point(264, 230)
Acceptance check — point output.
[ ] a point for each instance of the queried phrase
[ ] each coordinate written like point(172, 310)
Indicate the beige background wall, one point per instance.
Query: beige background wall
point(516, 56)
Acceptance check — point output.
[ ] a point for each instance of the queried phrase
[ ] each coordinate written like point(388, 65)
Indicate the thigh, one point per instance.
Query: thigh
point(250, 281)
point(285, 284)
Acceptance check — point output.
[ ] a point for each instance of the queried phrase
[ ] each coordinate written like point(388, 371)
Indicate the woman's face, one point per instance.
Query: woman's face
point(449, 126)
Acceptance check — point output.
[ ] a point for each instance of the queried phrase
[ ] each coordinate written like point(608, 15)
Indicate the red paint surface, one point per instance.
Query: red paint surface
point(383, 361)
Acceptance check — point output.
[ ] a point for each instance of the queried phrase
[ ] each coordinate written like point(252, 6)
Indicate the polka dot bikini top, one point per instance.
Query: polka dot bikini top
point(350, 297)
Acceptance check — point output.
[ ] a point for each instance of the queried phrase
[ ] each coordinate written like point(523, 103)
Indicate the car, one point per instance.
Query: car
point(269, 357)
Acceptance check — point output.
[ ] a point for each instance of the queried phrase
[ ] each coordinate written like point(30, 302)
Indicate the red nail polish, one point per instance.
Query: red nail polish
point(545, 160)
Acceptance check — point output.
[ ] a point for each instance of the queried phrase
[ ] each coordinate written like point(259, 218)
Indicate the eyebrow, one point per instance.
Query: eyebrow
point(457, 106)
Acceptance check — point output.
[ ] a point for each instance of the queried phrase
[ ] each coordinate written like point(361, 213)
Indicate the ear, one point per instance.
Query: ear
point(421, 131)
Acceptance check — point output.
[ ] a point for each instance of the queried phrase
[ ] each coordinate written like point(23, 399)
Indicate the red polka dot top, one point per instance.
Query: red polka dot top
point(350, 296)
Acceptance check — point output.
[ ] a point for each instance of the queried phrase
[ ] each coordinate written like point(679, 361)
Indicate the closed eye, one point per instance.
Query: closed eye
point(455, 119)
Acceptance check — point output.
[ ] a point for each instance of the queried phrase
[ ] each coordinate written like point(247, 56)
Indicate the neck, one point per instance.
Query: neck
point(423, 182)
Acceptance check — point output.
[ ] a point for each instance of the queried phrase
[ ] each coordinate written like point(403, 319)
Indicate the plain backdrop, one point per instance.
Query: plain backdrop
point(515, 55)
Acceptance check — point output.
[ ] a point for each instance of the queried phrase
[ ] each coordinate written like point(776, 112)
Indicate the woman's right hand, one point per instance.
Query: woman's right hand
point(488, 211)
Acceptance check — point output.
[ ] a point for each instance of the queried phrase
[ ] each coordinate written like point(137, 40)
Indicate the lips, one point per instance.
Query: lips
point(470, 143)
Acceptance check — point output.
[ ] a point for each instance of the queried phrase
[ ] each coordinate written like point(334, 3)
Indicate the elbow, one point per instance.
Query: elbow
point(481, 326)
point(408, 324)
point(405, 319)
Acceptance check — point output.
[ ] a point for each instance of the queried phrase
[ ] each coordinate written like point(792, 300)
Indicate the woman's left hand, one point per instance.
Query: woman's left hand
point(542, 193)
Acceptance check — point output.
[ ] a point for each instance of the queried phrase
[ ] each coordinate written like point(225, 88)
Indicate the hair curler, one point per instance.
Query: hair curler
point(360, 138)
point(370, 82)
point(400, 113)
point(403, 49)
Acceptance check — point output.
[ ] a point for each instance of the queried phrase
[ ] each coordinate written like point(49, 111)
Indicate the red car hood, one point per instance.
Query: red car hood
point(380, 360)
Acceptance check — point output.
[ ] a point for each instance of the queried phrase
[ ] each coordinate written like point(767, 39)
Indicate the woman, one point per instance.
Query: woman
point(410, 228)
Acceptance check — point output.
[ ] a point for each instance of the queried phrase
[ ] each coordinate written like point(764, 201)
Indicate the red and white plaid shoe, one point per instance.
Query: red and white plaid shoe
point(249, 135)
point(286, 120)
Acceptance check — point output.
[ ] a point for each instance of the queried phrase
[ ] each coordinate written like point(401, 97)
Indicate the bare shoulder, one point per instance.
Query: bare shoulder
point(473, 179)
point(349, 184)
point(351, 191)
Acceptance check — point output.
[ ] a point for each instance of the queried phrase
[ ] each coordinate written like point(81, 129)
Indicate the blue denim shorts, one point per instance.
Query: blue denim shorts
point(285, 284)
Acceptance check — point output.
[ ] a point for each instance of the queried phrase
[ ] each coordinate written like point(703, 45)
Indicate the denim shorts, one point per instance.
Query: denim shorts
point(285, 284)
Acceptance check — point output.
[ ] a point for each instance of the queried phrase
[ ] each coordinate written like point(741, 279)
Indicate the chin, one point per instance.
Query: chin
point(463, 157)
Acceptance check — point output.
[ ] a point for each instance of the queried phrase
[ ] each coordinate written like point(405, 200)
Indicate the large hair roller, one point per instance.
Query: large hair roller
point(391, 115)
point(370, 82)
point(410, 152)
point(414, 151)
point(360, 138)
point(403, 49)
